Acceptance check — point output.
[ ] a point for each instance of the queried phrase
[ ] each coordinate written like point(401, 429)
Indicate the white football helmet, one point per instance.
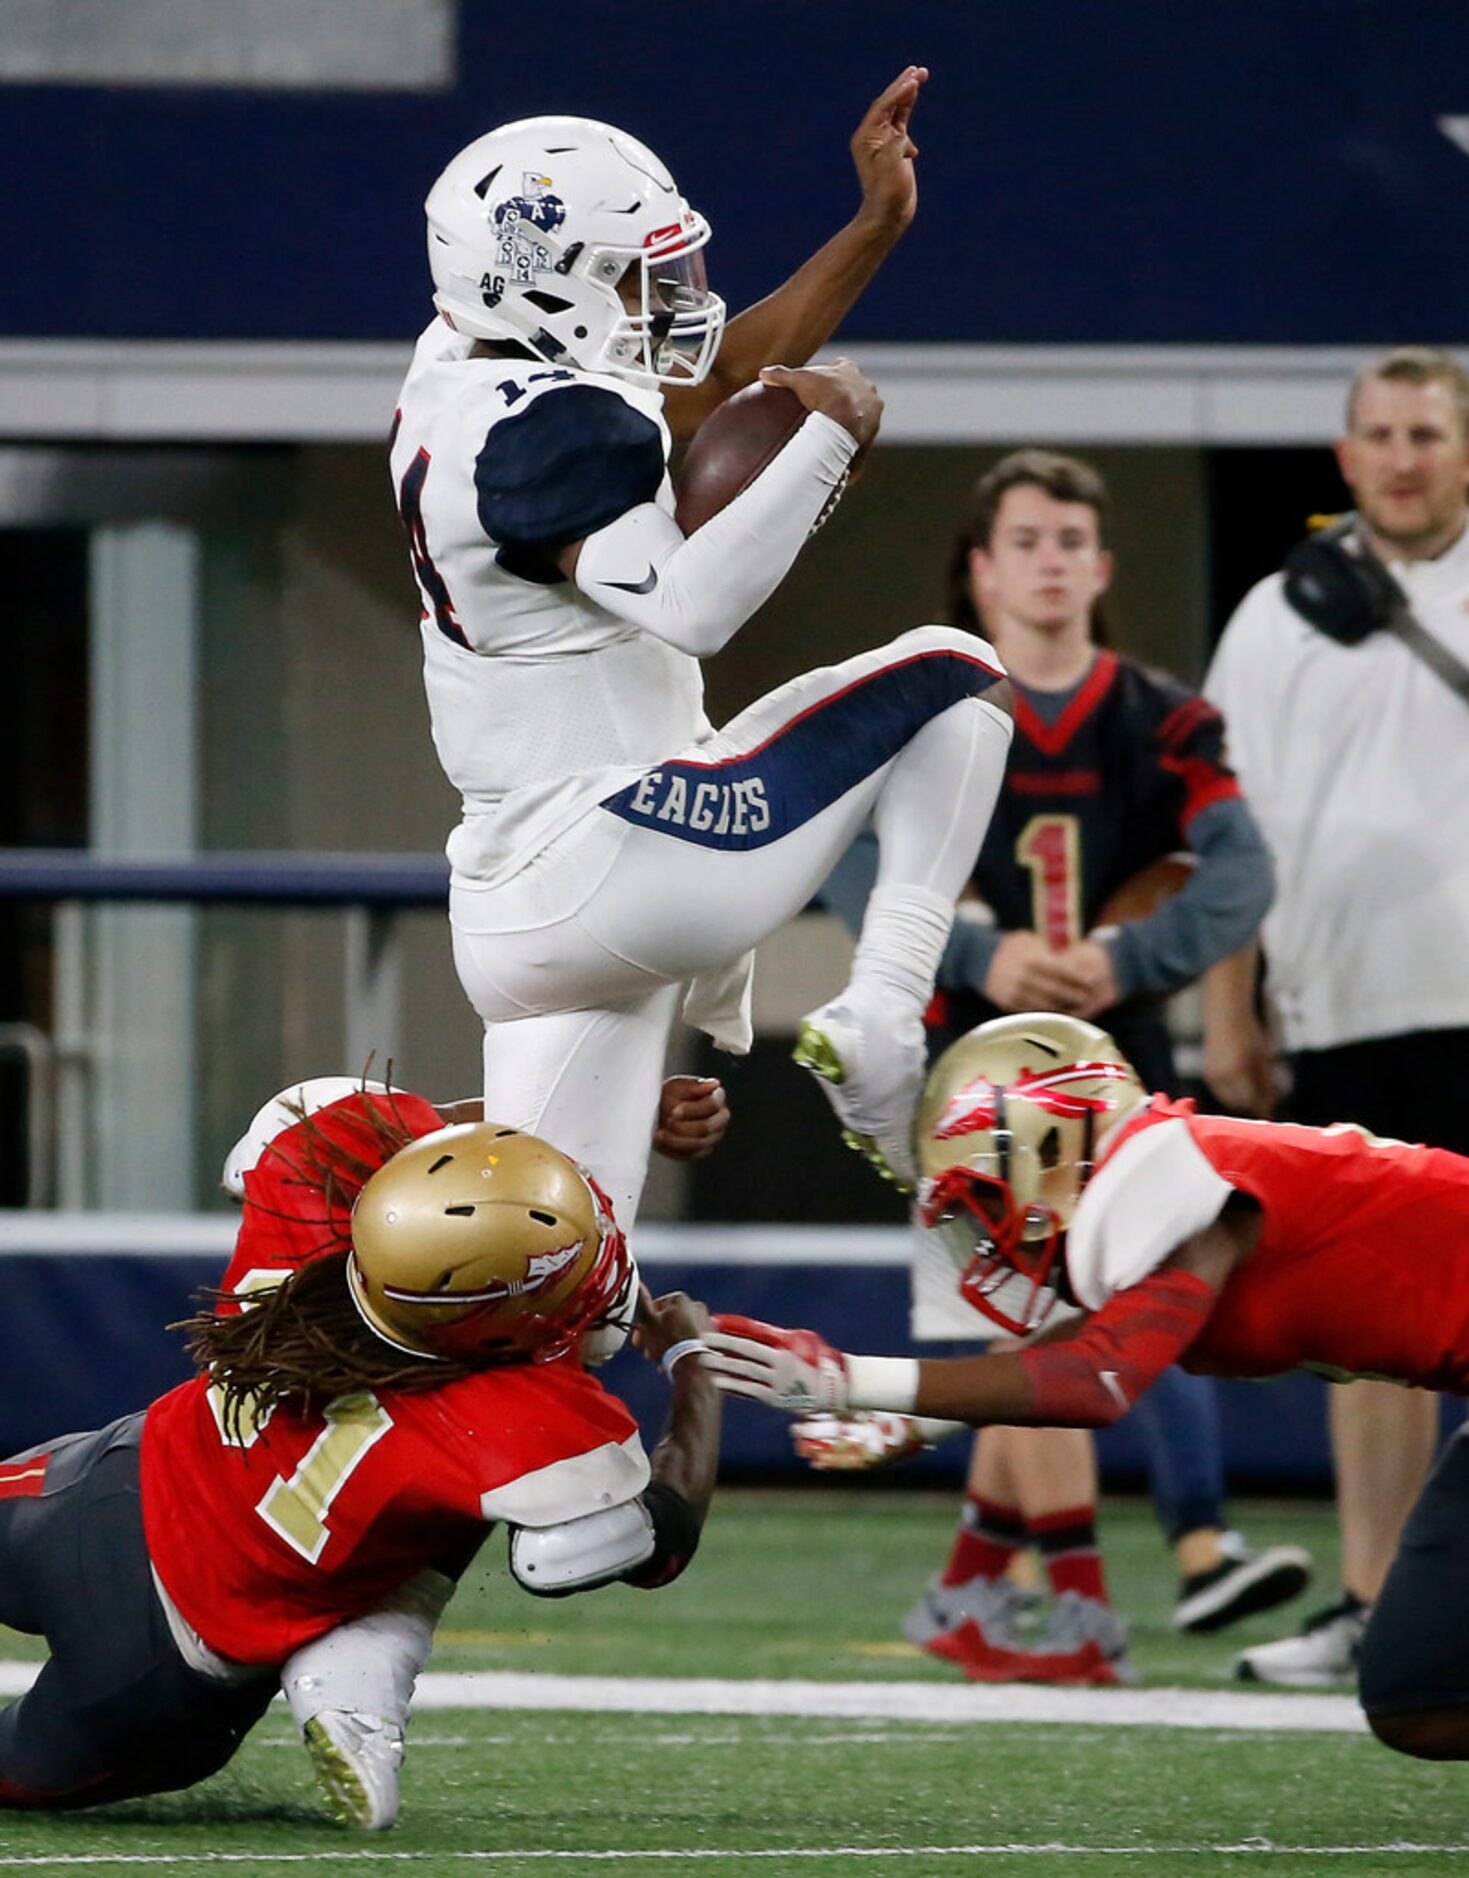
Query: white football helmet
point(532, 227)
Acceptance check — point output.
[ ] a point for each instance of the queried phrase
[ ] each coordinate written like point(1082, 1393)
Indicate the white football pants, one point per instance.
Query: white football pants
point(577, 963)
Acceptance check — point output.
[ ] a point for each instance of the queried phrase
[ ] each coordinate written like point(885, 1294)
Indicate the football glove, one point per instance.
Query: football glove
point(849, 1443)
point(794, 1370)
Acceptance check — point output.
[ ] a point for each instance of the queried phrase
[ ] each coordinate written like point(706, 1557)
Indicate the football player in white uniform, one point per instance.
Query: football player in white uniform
point(615, 852)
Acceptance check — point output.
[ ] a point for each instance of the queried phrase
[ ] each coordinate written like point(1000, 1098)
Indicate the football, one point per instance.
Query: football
point(1146, 890)
point(731, 447)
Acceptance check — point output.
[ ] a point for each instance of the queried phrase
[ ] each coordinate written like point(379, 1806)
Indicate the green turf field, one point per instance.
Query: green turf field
point(809, 1585)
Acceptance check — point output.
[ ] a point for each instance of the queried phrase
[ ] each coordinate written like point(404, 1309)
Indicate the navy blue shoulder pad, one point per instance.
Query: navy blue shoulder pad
point(570, 463)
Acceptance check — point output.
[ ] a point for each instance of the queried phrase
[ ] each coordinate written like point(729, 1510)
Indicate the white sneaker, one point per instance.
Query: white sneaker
point(997, 1605)
point(869, 1056)
point(357, 1758)
point(1323, 1656)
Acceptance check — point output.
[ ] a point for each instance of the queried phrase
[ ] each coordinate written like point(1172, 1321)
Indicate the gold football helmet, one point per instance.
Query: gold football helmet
point(1007, 1131)
point(478, 1242)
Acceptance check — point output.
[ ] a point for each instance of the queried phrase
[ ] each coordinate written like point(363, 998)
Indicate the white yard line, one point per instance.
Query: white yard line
point(896, 1701)
point(1221, 1710)
point(257, 1861)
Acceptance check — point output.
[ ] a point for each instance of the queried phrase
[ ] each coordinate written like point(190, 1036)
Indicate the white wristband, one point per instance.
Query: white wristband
point(676, 1350)
point(882, 1382)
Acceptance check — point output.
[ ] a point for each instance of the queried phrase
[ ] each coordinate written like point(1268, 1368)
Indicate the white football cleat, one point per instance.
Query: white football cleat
point(869, 1054)
point(357, 1758)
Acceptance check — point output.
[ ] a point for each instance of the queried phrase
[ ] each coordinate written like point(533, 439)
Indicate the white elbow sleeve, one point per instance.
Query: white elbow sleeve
point(696, 591)
point(581, 1553)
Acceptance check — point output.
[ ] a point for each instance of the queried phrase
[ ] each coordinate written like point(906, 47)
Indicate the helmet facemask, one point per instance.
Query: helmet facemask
point(671, 331)
point(1008, 1254)
point(1008, 1128)
point(609, 1330)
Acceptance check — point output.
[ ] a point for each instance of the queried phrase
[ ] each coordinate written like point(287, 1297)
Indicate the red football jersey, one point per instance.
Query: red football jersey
point(266, 1541)
point(264, 1546)
point(1362, 1263)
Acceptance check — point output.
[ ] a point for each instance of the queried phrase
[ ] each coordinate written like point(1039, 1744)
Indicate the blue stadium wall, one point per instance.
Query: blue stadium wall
point(1147, 172)
point(84, 1340)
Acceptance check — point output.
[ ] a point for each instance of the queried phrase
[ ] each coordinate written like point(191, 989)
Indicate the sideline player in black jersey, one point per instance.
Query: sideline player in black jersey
point(1113, 767)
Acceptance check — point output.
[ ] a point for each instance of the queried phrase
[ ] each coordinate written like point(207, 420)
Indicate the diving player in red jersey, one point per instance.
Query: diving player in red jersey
point(398, 1368)
point(1236, 1248)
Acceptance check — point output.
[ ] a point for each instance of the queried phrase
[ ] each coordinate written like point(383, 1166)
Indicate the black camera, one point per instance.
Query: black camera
point(1338, 585)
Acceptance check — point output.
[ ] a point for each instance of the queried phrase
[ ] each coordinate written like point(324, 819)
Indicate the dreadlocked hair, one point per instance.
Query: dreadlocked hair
point(299, 1346)
point(334, 1171)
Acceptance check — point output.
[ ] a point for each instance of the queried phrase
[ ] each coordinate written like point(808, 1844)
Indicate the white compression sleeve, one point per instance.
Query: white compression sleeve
point(370, 1664)
point(882, 1382)
point(696, 591)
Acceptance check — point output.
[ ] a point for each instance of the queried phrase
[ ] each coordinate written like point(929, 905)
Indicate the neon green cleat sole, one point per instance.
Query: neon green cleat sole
point(815, 1051)
point(360, 1786)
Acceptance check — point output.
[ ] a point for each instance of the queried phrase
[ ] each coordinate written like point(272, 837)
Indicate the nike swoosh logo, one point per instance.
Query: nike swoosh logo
point(646, 585)
point(1114, 1388)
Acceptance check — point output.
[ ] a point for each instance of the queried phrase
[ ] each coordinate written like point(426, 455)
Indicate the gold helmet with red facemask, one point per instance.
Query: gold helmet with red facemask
point(478, 1243)
point(1007, 1133)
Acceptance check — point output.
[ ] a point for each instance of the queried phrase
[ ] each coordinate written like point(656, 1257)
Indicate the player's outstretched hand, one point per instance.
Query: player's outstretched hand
point(849, 1443)
point(839, 390)
point(663, 1322)
point(794, 1370)
point(884, 152)
point(693, 1114)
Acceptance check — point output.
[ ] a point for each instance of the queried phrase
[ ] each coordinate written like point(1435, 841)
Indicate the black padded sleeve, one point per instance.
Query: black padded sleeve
point(675, 1537)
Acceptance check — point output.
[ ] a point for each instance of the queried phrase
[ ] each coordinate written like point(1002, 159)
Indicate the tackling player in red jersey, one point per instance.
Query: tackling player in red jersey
point(397, 1366)
point(1156, 1235)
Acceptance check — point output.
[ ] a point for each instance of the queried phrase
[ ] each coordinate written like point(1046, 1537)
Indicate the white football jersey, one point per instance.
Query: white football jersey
point(496, 465)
